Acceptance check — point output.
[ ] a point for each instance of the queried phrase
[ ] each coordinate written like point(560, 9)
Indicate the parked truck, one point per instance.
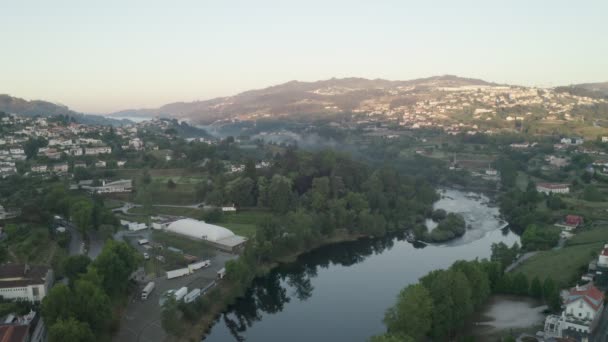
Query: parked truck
point(192, 295)
point(181, 293)
point(177, 273)
point(198, 265)
point(147, 290)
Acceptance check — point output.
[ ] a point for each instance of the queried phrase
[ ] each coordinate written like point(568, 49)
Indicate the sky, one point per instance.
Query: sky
point(105, 56)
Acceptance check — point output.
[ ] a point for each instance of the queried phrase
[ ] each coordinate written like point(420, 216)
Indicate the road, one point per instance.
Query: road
point(128, 205)
point(600, 333)
point(520, 260)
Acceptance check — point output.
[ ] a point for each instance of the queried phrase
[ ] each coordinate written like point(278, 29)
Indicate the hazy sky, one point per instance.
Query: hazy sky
point(129, 54)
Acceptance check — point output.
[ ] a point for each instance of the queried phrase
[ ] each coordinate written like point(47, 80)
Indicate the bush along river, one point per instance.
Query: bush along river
point(340, 292)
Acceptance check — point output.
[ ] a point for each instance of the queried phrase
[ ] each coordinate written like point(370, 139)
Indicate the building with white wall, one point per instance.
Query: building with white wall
point(583, 306)
point(19, 281)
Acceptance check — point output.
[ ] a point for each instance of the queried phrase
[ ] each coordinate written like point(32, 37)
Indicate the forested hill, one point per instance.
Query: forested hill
point(15, 105)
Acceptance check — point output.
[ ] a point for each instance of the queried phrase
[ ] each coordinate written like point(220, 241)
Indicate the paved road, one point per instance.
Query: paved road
point(128, 205)
point(96, 243)
point(76, 242)
point(600, 333)
point(520, 260)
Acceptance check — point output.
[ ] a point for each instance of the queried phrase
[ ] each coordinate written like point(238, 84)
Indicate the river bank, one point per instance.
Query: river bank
point(504, 314)
point(224, 295)
point(340, 291)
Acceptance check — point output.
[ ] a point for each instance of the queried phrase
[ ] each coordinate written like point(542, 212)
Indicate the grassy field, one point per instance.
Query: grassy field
point(112, 203)
point(244, 222)
point(565, 265)
point(173, 211)
point(589, 210)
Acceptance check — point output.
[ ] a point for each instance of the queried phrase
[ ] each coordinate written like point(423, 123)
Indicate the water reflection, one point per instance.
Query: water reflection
point(269, 294)
point(353, 283)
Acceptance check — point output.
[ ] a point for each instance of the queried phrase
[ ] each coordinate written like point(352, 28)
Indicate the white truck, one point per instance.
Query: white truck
point(181, 293)
point(142, 241)
point(177, 273)
point(147, 290)
point(192, 295)
point(198, 265)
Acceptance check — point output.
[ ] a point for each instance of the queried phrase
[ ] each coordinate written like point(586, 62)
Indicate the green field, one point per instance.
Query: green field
point(173, 211)
point(244, 222)
point(567, 264)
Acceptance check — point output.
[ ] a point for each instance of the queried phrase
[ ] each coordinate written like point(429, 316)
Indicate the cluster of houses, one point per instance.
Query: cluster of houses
point(484, 103)
point(79, 142)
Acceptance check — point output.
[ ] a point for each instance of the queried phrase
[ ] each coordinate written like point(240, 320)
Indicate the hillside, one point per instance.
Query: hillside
point(10, 104)
point(593, 90)
point(297, 98)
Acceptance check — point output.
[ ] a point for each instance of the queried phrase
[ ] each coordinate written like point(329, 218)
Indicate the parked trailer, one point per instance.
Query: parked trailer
point(192, 295)
point(147, 290)
point(142, 241)
point(198, 265)
point(181, 293)
point(177, 273)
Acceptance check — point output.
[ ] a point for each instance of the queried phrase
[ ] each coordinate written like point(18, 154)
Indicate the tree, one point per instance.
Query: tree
point(280, 195)
point(520, 284)
point(391, 338)
point(70, 330)
point(57, 304)
point(115, 264)
point(478, 279)
point(171, 184)
point(412, 314)
point(536, 288)
point(170, 317)
point(75, 265)
point(551, 294)
point(91, 305)
point(81, 214)
point(240, 191)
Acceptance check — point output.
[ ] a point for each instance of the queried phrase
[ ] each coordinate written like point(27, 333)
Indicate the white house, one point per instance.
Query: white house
point(583, 306)
point(122, 185)
point(19, 281)
point(93, 151)
point(61, 167)
point(76, 151)
point(39, 168)
point(553, 188)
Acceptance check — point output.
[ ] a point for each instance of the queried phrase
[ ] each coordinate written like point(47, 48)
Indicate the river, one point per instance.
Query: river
point(340, 292)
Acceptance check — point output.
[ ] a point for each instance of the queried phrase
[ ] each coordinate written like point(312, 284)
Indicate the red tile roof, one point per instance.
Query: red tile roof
point(589, 293)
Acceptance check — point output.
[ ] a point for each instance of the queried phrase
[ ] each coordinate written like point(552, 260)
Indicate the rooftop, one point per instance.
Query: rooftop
point(15, 275)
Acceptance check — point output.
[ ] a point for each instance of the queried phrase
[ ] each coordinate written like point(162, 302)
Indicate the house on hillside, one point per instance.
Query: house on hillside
point(570, 222)
point(553, 188)
point(583, 306)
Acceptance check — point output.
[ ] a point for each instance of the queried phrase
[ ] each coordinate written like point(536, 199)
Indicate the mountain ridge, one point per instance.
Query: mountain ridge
point(294, 97)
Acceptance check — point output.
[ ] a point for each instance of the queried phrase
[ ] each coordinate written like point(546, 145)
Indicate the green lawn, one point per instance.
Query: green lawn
point(112, 203)
point(566, 265)
point(188, 212)
point(244, 222)
point(244, 229)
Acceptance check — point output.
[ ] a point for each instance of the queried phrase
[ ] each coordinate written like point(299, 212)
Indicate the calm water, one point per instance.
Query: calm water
point(340, 292)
